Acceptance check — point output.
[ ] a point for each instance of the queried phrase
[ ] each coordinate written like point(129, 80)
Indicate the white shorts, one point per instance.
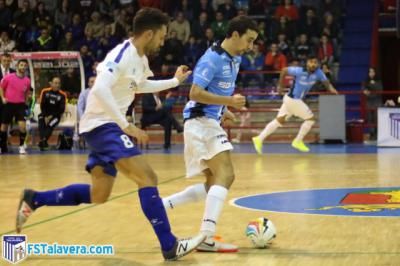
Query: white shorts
point(294, 107)
point(204, 138)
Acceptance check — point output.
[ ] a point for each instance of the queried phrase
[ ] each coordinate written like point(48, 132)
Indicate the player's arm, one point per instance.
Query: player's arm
point(282, 76)
point(329, 87)
point(2, 95)
point(200, 95)
point(150, 86)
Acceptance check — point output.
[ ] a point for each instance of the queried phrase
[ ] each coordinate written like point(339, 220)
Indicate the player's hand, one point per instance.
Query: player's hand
point(140, 135)
point(281, 91)
point(367, 92)
point(228, 118)
point(182, 73)
point(4, 100)
point(237, 101)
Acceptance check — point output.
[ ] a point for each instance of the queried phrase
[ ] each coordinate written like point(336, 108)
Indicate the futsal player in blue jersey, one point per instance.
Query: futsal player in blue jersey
point(207, 148)
point(293, 104)
point(123, 73)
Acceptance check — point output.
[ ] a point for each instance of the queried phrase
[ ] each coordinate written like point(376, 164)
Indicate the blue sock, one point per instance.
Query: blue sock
point(154, 210)
point(67, 196)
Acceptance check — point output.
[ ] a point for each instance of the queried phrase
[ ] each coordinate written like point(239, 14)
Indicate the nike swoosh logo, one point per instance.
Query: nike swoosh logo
point(210, 245)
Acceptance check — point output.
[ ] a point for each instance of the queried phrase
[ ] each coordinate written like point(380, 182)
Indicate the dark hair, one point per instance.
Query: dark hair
point(22, 61)
point(311, 57)
point(149, 19)
point(241, 24)
point(6, 55)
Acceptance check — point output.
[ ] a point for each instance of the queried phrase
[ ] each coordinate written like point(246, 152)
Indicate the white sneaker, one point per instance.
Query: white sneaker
point(215, 245)
point(25, 208)
point(22, 150)
point(183, 247)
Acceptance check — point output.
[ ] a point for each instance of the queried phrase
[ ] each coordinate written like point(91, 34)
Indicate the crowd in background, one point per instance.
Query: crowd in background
point(289, 30)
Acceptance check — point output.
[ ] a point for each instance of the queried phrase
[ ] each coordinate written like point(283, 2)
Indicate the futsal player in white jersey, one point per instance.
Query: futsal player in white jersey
point(207, 148)
point(293, 104)
point(123, 73)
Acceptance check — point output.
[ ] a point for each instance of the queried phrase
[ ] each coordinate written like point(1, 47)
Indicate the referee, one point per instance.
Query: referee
point(14, 91)
point(52, 106)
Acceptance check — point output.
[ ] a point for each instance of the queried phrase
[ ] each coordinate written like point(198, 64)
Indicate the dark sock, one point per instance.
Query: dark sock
point(67, 196)
point(154, 210)
point(22, 137)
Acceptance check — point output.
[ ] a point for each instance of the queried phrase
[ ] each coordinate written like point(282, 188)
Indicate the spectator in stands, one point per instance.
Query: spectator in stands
point(83, 97)
point(107, 7)
point(89, 40)
point(262, 30)
point(288, 10)
point(372, 84)
point(275, 60)
point(24, 15)
point(204, 6)
point(41, 14)
point(208, 41)
point(185, 7)
point(302, 48)
point(227, 9)
point(63, 14)
point(71, 83)
point(325, 50)
point(6, 44)
point(52, 106)
point(76, 27)
point(319, 86)
point(219, 26)
point(172, 52)
point(155, 113)
point(333, 7)
point(85, 8)
point(106, 43)
point(283, 26)
point(257, 7)
point(5, 16)
point(14, 91)
point(253, 61)
point(283, 44)
point(45, 42)
point(310, 26)
point(67, 43)
point(95, 25)
point(200, 26)
point(192, 52)
point(87, 59)
point(330, 29)
point(181, 26)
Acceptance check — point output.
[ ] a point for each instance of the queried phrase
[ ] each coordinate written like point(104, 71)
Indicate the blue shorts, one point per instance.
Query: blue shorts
point(107, 144)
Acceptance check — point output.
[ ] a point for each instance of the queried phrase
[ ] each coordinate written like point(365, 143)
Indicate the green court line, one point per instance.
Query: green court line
point(87, 207)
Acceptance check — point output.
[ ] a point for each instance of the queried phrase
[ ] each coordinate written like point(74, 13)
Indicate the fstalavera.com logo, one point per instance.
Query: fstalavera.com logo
point(14, 248)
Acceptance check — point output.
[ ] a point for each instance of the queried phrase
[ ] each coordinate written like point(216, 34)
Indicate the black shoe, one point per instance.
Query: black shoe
point(183, 247)
point(25, 208)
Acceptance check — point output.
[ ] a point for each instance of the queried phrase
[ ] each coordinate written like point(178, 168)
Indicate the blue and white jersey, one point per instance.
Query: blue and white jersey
point(216, 72)
point(303, 81)
point(128, 69)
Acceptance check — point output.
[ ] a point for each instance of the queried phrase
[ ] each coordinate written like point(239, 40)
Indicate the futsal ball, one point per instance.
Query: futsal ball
point(261, 232)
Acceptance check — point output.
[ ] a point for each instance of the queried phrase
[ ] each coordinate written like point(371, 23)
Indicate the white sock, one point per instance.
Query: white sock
point(269, 129)
point(190, 194)
point(304, 129)
point(214, 202)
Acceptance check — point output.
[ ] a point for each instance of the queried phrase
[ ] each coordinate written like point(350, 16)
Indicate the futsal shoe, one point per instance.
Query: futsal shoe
point(214, 244)
point(299, 145)
point(183, 247)
point(25, 208)
point(258, 144)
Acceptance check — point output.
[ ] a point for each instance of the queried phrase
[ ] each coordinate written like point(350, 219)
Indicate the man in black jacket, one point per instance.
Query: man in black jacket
point(155, 113)
point(52, 106)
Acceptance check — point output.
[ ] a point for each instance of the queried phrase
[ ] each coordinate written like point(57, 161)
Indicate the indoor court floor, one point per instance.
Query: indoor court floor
point(337, 205)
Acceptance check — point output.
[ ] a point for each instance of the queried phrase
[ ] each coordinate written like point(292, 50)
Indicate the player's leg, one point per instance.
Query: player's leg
point(301, 110)
point(137, 169)
point(270, 128)
point(219, 180)
point(42, 131)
